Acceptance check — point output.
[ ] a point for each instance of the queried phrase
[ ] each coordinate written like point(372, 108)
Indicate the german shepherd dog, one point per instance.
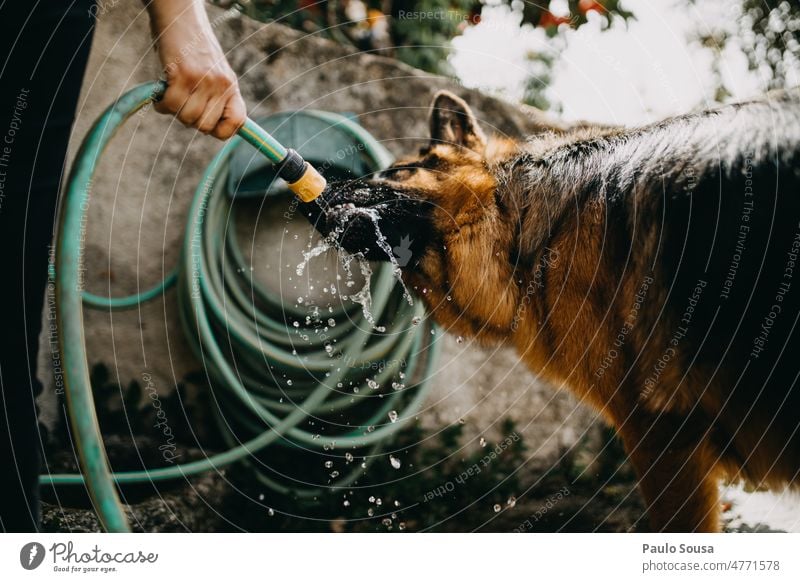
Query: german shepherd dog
point(653, 271)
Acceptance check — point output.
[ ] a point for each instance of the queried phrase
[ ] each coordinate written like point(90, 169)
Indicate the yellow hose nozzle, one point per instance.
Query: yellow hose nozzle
point(310, 185)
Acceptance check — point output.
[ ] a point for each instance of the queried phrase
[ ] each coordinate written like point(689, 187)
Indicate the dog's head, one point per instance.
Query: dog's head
point(436, 212)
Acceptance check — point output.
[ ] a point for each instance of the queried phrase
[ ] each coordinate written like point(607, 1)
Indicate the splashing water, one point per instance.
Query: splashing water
point(364, 296)
point(321, 248)
point(372, 214)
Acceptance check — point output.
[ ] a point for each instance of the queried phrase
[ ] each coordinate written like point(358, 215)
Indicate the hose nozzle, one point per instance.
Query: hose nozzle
point(300, 176)
point(310, 185)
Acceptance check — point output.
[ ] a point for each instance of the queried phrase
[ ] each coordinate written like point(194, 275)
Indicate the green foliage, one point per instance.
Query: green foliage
point(539, 79)
point(288, 12)
point(769, 31)
point(419, 32)
point(423, 42)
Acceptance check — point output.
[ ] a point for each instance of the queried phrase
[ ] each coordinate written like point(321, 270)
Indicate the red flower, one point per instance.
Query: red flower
point(548, 19)
point(585, 6)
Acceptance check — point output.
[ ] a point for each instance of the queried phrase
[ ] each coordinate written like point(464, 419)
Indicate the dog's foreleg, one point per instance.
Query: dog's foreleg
point(676, 473)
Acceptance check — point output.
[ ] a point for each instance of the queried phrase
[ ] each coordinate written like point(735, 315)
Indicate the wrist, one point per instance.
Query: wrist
point(166, 13)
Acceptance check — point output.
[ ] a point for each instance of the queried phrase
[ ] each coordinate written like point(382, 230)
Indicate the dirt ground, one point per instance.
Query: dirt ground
point(580, 493)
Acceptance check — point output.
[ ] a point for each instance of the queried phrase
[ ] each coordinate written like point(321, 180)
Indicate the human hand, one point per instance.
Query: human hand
point(202, 89)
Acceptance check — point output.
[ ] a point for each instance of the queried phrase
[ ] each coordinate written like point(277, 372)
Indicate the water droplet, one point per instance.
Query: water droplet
point(334, 474)
point(346, 503)
point(332, 322)
point(497, 508)
point(482, 442)
point(371, 499)
point(378, 501)
point(373, 384)
point(261, 497)
point(393, 415)
point(459, 340)
point(395, 462)
point(296, 324)
point(328, 464)
point(386, 521)
point(270, 512)
point(370, 512)
point(415, 320)
point(348, 457)
point(512, 501)
point(289, 382)
point(401, 526)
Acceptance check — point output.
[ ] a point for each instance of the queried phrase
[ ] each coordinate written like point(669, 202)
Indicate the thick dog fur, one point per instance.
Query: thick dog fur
point(652, 271)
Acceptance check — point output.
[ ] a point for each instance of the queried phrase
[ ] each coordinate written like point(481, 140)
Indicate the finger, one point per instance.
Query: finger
point(182, 83)
point(212, 114)
point(233, 117)
point(172, 100)
point(191, 111)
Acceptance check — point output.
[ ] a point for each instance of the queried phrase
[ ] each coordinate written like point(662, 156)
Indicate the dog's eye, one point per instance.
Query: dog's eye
point(431, 162)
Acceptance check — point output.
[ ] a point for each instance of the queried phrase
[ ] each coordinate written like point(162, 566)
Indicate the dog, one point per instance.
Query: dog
point(654, 271)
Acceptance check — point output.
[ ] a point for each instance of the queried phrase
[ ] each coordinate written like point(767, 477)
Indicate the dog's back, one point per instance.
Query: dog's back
point(653, 271)
point(708, 204)
point(739, 232)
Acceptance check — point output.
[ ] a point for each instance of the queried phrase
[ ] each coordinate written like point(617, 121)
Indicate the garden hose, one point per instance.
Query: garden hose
point(272, 375)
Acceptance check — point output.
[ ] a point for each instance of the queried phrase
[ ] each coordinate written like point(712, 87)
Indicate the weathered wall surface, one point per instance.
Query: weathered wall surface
point(140, 199)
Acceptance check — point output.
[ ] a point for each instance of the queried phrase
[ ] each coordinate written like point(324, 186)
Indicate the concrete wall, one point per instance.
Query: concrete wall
point(140, 198)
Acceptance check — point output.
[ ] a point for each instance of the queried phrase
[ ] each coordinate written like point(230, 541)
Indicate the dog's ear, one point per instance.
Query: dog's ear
point(452, 121)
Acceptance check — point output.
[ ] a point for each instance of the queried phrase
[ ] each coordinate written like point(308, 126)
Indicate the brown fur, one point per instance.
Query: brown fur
point(560, 247)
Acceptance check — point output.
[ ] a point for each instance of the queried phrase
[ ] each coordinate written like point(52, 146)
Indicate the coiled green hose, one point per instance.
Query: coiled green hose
point(267, 384)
